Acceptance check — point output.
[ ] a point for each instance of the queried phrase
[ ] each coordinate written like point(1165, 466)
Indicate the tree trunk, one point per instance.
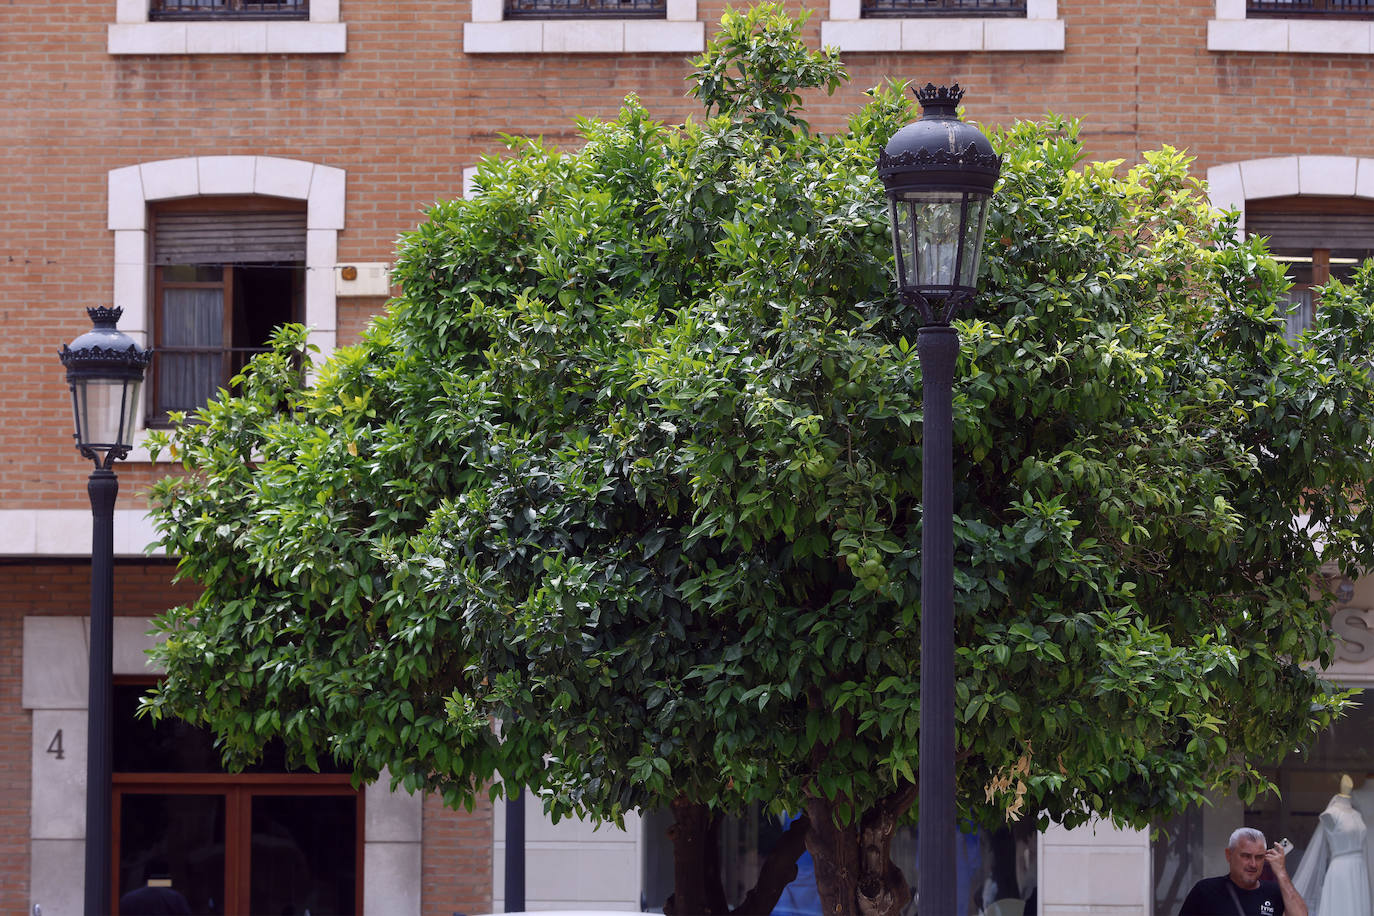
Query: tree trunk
point(883, 889)
point(697, 886)
point(834, 853)
point(855, 875)
point(777, 871)
point(692, 855)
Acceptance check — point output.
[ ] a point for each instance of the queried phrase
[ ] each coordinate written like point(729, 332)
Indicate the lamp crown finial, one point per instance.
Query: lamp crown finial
point(103, 316)
point(939, 101)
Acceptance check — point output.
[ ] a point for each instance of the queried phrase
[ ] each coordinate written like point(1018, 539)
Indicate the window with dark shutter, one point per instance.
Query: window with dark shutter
point(1316, 239)
point(226, 274)
point(229, 237)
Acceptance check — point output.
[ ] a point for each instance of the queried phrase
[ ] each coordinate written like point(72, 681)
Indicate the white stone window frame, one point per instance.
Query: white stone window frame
point(1232, 31)
point(1040, 30)
point(133, 33)
point(55, 675)
point(132, 188)
point(67, 532)
point(488, 32)
point(1230, 185)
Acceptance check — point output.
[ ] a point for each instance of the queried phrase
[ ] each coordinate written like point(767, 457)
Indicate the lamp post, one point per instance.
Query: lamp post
point(104, 370)
point(939, 173)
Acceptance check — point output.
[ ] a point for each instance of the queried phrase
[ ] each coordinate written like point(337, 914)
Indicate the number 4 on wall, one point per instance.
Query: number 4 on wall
point(55, 745)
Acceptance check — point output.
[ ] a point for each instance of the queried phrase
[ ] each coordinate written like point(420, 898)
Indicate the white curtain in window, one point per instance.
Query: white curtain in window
point(1299, 313)
point(192, 319)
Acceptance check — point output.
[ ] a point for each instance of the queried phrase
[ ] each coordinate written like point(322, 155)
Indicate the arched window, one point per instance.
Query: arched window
point(211, 253)
point(1316, 211)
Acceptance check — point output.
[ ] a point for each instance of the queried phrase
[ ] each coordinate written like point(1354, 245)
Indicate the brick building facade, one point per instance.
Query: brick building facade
point(355, 116)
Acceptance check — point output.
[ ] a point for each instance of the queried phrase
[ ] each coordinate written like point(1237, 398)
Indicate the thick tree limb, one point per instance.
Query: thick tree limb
point(778, 871)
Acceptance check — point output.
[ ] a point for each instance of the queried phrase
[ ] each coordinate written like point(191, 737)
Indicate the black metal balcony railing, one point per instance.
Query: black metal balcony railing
point(874, 9)
point(229, 9)
point(1310, 9)
point(586, 9)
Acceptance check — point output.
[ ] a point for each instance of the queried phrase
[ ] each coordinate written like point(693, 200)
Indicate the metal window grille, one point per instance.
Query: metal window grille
point(907, 8)
point(1310, 9)
point(229, 9)
point(586, 9)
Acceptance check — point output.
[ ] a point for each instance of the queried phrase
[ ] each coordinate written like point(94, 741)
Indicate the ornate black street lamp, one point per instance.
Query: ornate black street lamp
point(939, 173)
point(104, 370)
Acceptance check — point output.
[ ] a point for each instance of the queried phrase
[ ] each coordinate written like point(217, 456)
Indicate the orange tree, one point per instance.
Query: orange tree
point(632, 467)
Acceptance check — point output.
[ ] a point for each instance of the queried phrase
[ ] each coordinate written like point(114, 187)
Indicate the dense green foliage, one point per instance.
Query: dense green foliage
point(632, 465)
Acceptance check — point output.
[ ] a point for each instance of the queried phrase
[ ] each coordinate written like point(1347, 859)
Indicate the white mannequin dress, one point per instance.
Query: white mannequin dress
point(1333, 877)
point(1363, 797)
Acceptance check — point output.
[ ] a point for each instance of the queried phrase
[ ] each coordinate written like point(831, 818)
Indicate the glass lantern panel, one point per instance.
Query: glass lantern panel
point(974, 232)
point(937, 238)
point(928, 237)
point(105, 410)
point(130, 411)
point(930, 252)
point(903, 231)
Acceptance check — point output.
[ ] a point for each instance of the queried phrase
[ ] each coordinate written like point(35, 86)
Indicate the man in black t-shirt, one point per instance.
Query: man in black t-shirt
point(1241, 892)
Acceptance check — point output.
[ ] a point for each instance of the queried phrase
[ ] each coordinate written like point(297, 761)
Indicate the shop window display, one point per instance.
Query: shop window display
point(1325, 807)
point(996, 869)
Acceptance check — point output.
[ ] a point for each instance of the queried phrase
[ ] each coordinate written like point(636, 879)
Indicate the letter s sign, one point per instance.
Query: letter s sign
point(1355, 640)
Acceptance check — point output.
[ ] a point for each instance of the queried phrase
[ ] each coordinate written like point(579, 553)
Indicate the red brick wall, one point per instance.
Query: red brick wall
point(39, 588)
point(457, 859)
point(353, 317)
point(404, 111)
